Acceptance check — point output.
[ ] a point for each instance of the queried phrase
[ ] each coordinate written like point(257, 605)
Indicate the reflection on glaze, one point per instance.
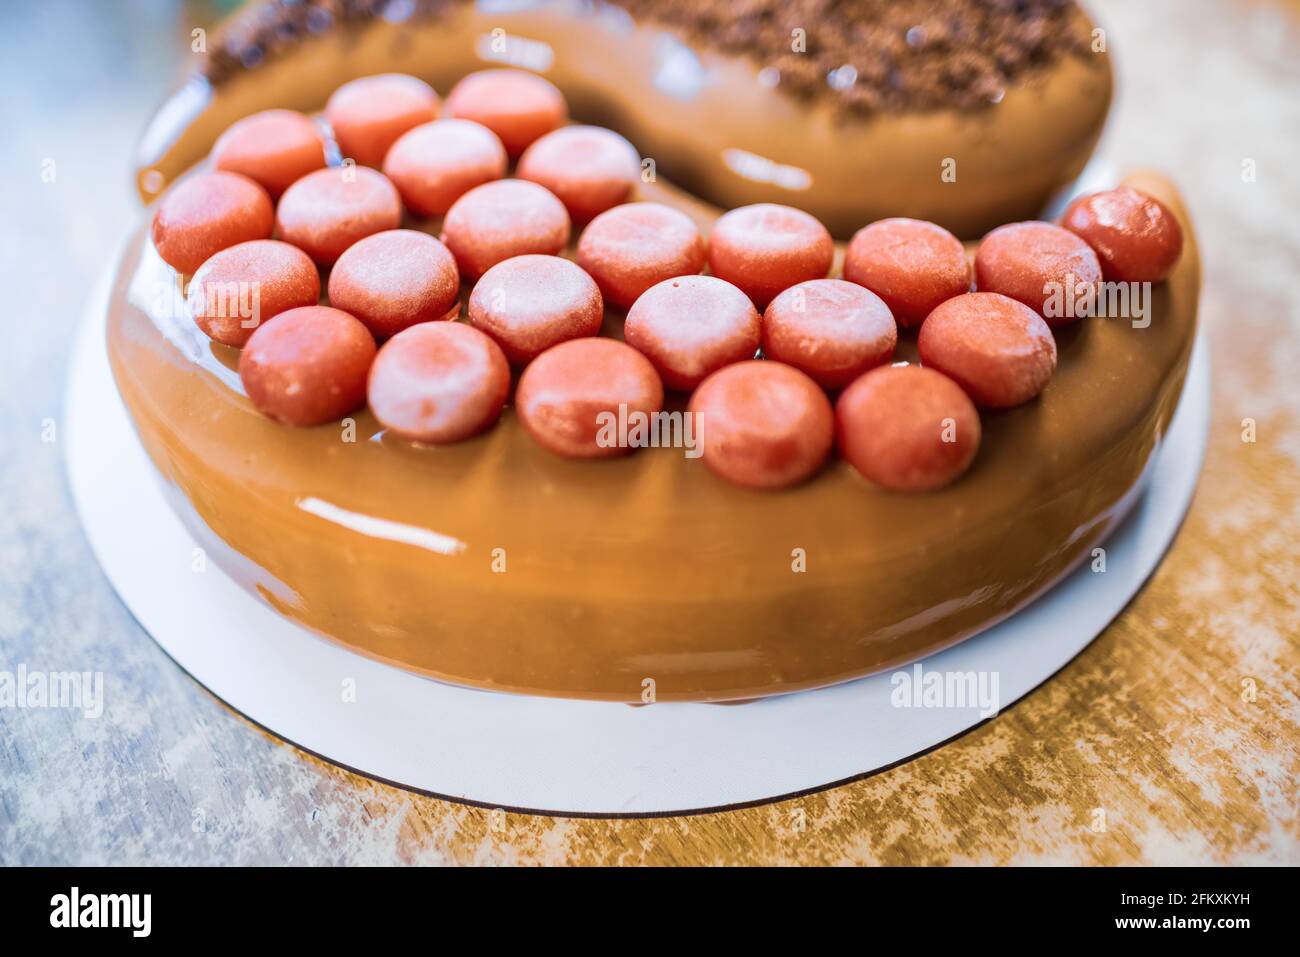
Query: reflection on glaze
point(616, 19)
point(177, 112)
point(500, 47)
point(507, 6)
point(398, 11)
point(158, 291)
point(841, 78)
point(679, 72)
point(382, 528)
point(760, 169)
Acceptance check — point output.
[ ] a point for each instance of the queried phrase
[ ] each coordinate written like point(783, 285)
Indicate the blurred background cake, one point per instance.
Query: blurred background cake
point(966, 113)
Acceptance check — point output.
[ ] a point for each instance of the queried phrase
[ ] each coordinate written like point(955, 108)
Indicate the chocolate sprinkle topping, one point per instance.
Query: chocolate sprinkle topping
point(869, 55)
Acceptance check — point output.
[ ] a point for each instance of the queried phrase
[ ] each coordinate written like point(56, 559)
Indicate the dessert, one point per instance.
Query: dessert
point(1032, 262)
point(691, 326)
point(573, 543)
point(240, 287)
point(766, 249)
point(495, 221)
point(907, 428)
point(307, 366)
point(275, 148)
point(964, 113)
point(438, 383)
point(206, 214)
point(830, 329)
point(1135, 236)
point(632, 247)
point(327, 211)
point(997, 349)
point(369, 114)
point(589, 168)
point(912, 265)
point(530, 303)
point(395, 279)
point(574, 391)
point(434, 165)
point(766, 425)
point(518, 107)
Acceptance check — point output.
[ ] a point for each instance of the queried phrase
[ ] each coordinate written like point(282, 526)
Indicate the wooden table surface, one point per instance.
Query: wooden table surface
point(1155, 722)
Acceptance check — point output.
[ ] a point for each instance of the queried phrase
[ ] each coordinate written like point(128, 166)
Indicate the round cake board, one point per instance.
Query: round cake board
point(571, 757)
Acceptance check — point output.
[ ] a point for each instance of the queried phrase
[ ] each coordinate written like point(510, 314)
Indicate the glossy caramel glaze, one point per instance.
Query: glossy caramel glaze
point(703, 117)
point(497, 564)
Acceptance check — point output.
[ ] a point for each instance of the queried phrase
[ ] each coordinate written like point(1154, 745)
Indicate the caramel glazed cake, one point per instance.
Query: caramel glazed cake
point(496, 563)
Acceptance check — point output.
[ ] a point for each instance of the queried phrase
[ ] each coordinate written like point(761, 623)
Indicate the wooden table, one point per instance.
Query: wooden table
point(1154, 722)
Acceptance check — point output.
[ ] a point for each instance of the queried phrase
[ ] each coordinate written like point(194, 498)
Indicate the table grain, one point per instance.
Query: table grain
point(1181, 721)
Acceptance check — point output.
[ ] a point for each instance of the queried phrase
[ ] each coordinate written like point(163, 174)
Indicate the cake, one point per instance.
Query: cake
point(965, 113)
point(494, 562)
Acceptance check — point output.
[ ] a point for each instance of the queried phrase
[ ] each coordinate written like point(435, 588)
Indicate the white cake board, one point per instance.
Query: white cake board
point(545, 755)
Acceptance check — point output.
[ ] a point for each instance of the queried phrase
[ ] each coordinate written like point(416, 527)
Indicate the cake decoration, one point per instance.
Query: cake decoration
point(1135, 236)
point(765, 425)
point(830, 329)
point(396, 279)
point(1035, 263)
point(435, 164)
point(912, 265)
point(307, 366)
point(691, 326)
point(368, 115)
point(327, 211)
point(276, 148)
point(765, 249)
point(206, 214)
point(570, 394)
point(632, 247)
point(438, 382)
point(997, 349)
point(530, 303)
point(907, 428)
point(246, 284)
point(495, 221)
